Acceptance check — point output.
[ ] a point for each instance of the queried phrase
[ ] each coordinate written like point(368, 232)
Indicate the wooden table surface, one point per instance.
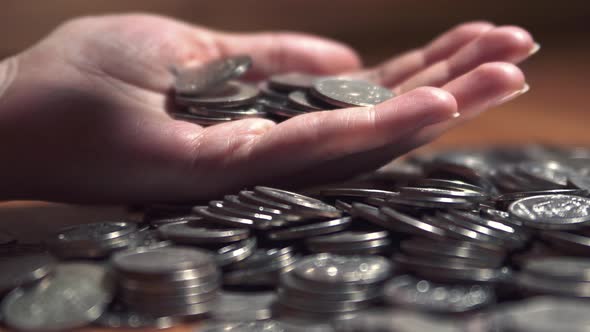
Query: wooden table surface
point(554, 111)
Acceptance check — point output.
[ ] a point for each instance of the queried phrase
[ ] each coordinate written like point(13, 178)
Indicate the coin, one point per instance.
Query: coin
point(184, 233)
point(24, 270)
point(77, 295)
point(350, 93)
point(314, 229)
point(299, 204)
point(199, 79)
point(161, 261)
point(552, 211)
point(292, 81)
point(327, 268)
point(301, 100)
point(231, 94)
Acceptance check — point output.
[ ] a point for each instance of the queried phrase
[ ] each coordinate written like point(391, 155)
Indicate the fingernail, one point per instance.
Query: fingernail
point(514, 94)
point(536, 47)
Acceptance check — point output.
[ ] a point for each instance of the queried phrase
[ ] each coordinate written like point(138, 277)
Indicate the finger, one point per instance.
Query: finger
point(509, 44)
point(487, 86)
point(394, 71)
point(276, 52)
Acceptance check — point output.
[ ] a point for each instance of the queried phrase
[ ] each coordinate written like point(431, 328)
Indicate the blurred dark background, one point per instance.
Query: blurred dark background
point(554, 111)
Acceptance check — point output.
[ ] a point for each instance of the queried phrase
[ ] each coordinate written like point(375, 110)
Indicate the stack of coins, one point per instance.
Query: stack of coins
point(208, 94)
point(329, 285)
point(262, 268)
point(173, 281)
point(92, 240)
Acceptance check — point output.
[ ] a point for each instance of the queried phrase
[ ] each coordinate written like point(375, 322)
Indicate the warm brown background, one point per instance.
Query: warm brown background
point(553, 111)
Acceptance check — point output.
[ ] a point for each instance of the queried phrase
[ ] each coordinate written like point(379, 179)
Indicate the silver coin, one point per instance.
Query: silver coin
point(408, 192)
point(231, 94)
point(448, 184)
point(356, 192)
point(261, 257)
point(299, 204)
point(335, 291)
point(408, 224)
point(76, 295)
point(260, 276)
point(347, 237)
point(318, 228)
point(281, 110)
point(171, 289)
point(220, 207)
point(199, 79)
point(260, 326)
point(292, 81)
point(235, 202)
point(431, 202)
point(350, 93)
point(24, 270)
point(451, 248)
point(226, 220)
point(271, 95)
point(244, 306)
point(235, 252)
point(233, 113)
point(255, 199)
point(161, 260)
point(94, 231)
point(443, 272)
point(552, 211)
point(328, 268)
point(319, 305)
point(136, 299)
point(187, 234)
point(170, 220)
point(409, 292)
point(305, 102)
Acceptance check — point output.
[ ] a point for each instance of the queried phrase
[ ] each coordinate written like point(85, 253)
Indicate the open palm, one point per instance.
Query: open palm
point(90, 101)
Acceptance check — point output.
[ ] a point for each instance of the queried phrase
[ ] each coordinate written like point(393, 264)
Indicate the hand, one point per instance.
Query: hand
point(85, 118)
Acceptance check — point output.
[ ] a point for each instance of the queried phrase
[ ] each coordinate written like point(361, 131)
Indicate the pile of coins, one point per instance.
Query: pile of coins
point(209, 94)
point(475, 240)
point(316, 288)
point(172, 281)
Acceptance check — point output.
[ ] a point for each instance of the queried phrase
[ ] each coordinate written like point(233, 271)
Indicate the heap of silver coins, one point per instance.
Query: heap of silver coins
point(210, 94)
point(482, 240)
